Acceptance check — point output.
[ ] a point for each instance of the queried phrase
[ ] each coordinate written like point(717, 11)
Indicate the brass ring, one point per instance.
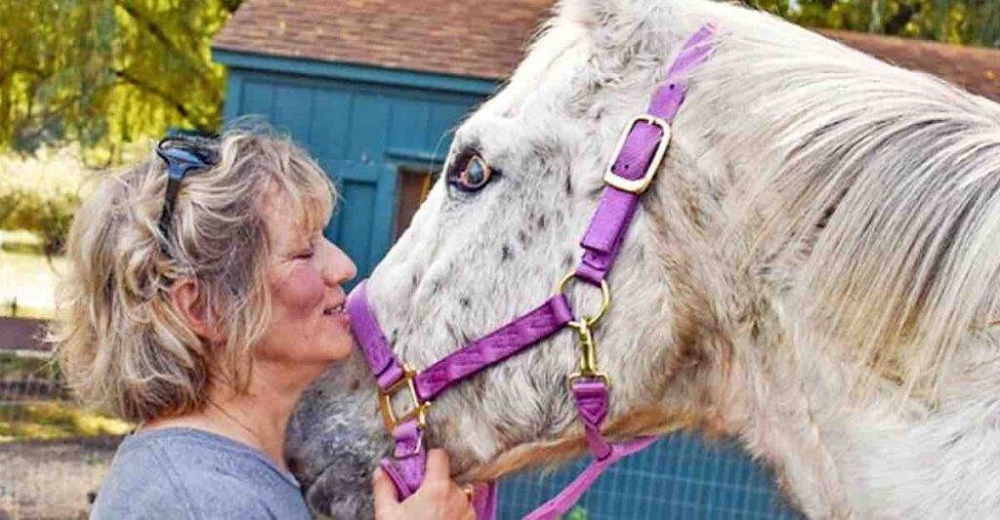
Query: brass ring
point(605, 297)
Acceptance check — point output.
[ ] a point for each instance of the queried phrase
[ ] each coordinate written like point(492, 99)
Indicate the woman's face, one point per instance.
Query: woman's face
point(308, 327)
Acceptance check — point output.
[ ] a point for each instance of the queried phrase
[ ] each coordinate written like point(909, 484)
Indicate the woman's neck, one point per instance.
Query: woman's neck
point(257, 418)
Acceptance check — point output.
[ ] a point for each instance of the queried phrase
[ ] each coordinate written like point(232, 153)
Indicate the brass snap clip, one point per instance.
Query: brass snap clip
point(584, 329)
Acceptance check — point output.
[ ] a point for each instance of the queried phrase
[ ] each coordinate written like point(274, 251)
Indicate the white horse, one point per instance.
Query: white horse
point(815, 271)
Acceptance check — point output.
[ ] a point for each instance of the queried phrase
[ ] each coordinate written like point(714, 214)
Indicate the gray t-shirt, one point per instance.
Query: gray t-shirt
point(192, 474)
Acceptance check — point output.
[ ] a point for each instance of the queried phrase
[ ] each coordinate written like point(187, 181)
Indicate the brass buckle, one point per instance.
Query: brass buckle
point(419, 409)
point(638, 186)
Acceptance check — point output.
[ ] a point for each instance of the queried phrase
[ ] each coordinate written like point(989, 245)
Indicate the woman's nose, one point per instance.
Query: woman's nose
point(340, 268)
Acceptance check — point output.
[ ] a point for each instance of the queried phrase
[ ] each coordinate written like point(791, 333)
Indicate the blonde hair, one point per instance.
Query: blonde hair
point(123, 345)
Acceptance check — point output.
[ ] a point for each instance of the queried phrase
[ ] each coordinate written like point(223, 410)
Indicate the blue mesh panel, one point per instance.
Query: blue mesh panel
point(679, 477)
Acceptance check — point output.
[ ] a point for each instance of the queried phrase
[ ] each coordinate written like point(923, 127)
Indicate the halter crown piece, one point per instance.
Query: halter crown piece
point(638, 157)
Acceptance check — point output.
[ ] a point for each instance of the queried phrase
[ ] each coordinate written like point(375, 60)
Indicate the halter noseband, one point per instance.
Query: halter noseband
point(638, 156)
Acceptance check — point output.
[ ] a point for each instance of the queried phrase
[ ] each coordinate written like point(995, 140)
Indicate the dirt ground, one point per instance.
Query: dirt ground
point(51, 479)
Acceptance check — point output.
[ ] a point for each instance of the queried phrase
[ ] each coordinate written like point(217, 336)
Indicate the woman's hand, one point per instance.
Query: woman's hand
point(438, 498)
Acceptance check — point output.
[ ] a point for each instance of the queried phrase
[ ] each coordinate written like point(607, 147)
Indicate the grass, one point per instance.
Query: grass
point(26, 419)
point(54, 420)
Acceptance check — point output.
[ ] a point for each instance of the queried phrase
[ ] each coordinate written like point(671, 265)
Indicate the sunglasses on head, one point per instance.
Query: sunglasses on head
point(183, 154)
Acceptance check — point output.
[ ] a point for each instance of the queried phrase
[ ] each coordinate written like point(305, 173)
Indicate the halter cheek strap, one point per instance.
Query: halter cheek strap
point(637, 159)
point(642, 148)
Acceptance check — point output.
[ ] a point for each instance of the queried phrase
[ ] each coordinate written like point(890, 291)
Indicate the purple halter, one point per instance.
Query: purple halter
point(638, 157)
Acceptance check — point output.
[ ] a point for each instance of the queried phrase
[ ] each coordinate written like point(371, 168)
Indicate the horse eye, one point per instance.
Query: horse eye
point(470, 173)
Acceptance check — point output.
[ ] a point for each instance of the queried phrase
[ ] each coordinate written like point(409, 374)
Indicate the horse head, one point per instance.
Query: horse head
point(786, 280)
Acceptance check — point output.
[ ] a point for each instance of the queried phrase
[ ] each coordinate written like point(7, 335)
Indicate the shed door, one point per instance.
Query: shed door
point(343, 126)
point(362, 222)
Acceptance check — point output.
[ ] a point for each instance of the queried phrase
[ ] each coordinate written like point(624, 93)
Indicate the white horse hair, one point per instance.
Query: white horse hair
point(813, 273)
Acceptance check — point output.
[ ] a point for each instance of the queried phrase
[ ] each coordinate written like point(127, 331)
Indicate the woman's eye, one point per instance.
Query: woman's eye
point(470, 173)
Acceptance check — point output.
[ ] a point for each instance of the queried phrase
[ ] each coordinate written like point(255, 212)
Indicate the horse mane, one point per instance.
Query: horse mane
point(878, 188)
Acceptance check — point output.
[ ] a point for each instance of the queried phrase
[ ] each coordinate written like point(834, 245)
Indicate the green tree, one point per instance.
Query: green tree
point(106, 72)
point(967, 22)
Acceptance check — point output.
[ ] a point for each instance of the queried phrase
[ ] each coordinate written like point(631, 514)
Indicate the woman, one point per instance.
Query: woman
point(203, 300)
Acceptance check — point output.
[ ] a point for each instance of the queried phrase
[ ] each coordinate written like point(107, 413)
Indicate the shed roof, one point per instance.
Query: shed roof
point(486, 38)
point(483, 39)
point(975, 68)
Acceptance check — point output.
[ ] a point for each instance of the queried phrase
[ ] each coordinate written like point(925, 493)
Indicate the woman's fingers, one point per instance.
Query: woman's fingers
point(438, 467)
point(384, 493)
point(450, 499)
point(439, 498)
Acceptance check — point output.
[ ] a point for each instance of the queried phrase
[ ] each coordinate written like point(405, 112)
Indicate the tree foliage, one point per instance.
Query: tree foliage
point(966, 22)
point(106, 72)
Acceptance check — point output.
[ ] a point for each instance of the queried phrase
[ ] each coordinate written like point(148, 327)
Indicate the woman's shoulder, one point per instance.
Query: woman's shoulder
point(181, 473)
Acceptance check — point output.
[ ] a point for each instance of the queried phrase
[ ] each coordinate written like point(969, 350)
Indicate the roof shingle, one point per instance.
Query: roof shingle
point(487, 38)
point(482, 38)
point(975, 68)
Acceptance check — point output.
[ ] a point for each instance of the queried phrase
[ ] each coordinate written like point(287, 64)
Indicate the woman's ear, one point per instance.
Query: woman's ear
point(187, 297)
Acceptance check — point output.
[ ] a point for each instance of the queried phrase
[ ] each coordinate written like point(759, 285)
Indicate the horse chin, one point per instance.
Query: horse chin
point(342, 491)
point(332, 446)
